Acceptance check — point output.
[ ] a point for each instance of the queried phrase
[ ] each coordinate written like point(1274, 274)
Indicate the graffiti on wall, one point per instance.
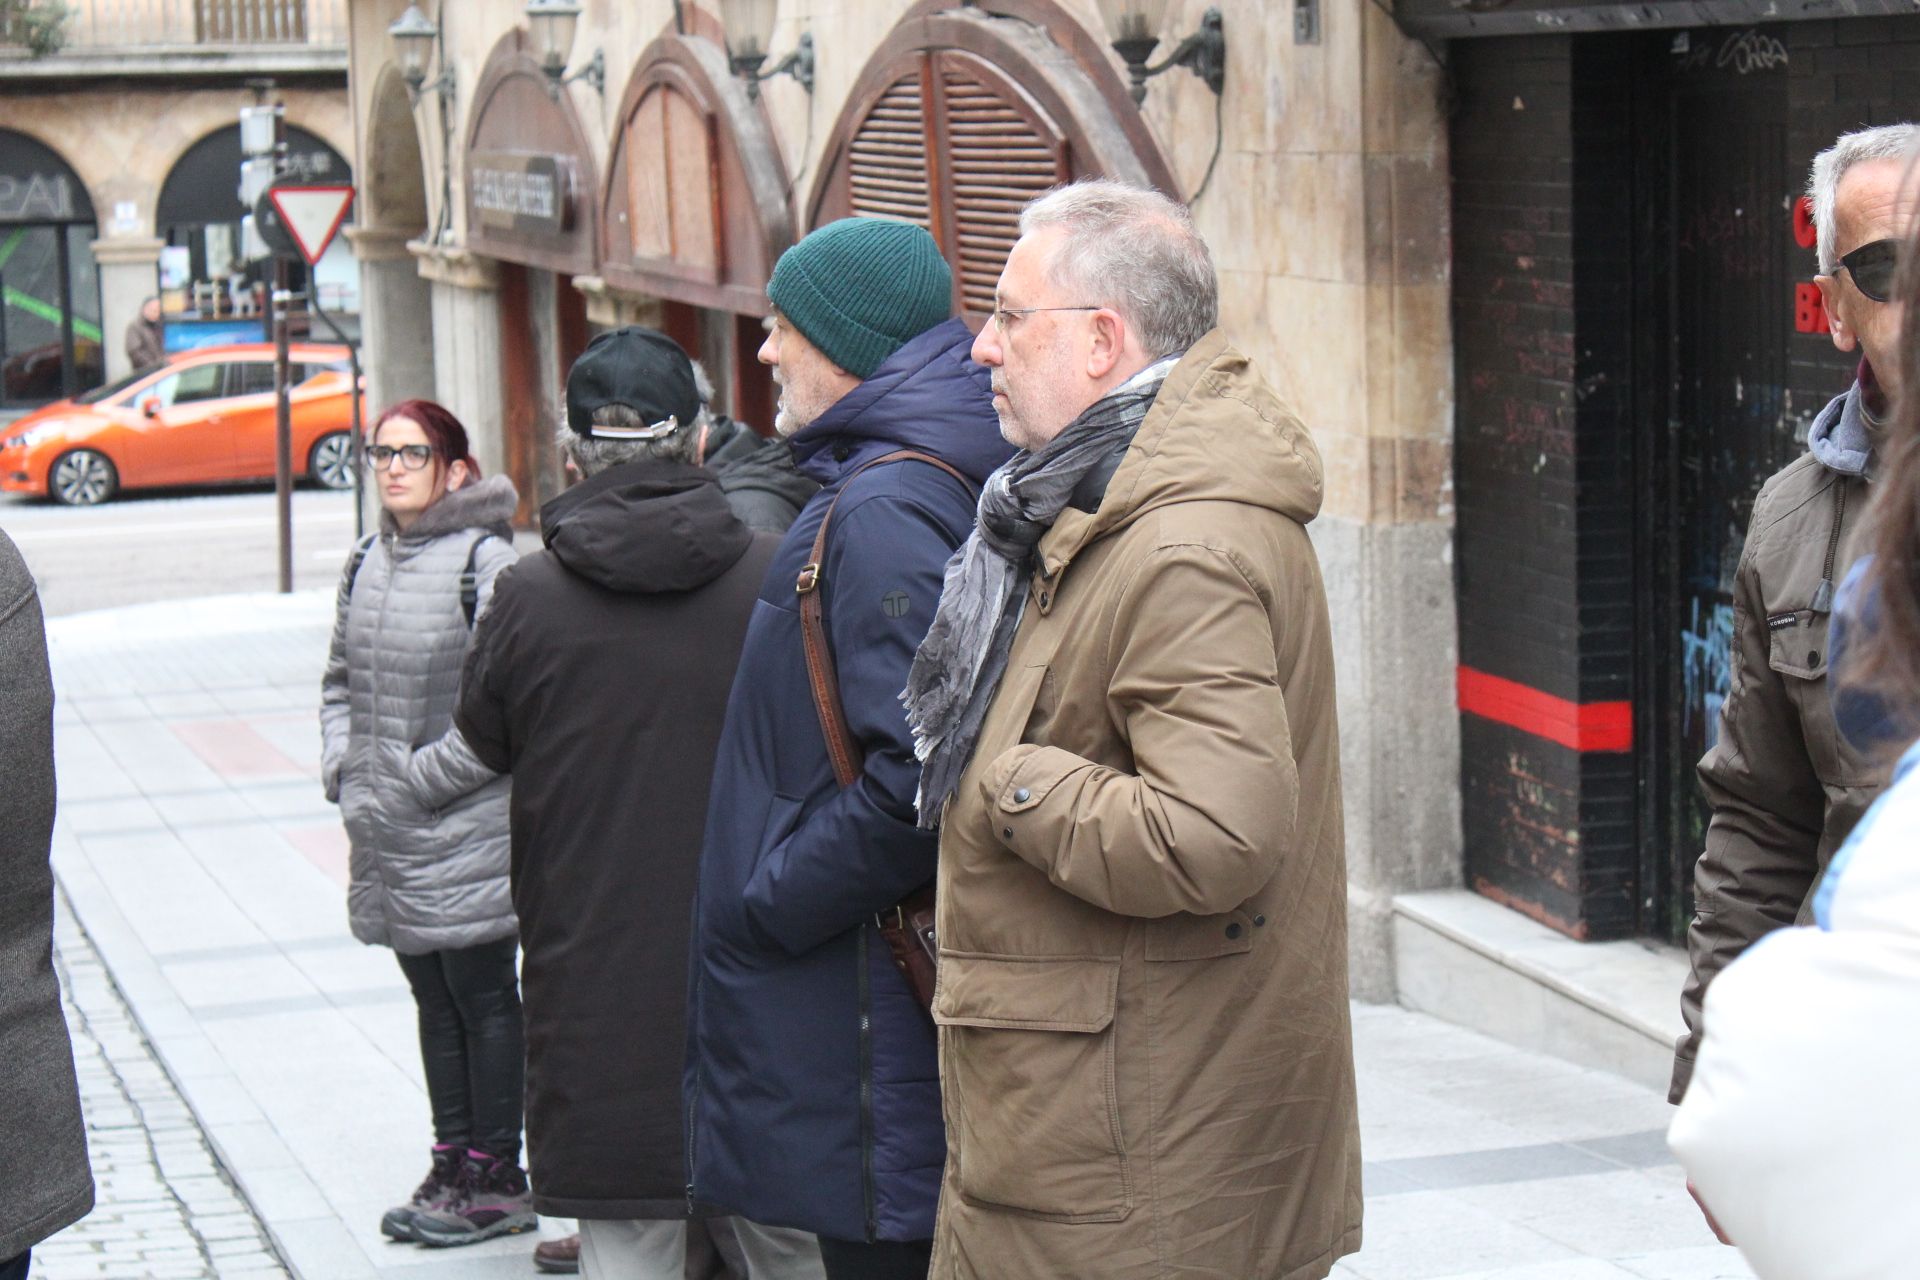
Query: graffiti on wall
point(1706, 664)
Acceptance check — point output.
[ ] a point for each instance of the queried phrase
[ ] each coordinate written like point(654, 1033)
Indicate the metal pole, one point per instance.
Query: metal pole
point(359, 460)
point(282, 425)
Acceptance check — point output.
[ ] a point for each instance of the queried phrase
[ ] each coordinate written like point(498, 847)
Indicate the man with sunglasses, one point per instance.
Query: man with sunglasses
point(1784, 785)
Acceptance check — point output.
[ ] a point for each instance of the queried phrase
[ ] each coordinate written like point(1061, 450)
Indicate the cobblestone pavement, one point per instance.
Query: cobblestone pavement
point(165, 1209)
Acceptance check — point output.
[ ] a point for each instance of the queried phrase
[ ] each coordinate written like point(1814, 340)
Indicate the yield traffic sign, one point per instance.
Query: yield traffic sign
point(311, 215)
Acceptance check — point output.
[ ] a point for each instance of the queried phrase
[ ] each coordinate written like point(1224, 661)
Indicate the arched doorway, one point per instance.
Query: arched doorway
point(961, 117)
point(704, 240)
point(50, 339)
point(209, 291)
point(396, 303)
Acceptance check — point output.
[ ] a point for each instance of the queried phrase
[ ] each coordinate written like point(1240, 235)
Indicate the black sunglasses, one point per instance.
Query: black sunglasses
point(1872, 266)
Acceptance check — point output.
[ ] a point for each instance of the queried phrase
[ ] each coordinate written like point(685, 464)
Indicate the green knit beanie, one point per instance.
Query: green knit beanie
point(861, 288)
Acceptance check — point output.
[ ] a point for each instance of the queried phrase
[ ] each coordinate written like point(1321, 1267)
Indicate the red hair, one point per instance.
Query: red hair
point(444, 432)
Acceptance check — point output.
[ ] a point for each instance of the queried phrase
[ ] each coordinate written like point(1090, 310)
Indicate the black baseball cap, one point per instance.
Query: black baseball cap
point(640, 368)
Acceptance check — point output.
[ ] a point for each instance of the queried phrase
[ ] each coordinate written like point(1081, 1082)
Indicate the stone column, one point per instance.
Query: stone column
point(1328, 219)
point(396, 318)
point(466, 347)
point(127, 266)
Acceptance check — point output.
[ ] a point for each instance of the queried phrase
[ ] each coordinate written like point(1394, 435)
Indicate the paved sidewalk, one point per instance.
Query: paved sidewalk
point(163, 1207)
point(209, 872)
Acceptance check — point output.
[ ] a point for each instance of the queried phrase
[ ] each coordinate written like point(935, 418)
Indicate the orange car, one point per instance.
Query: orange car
point(204, 417)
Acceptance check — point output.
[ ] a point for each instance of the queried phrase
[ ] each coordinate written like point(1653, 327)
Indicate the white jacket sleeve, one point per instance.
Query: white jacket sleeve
point(1801, 1129)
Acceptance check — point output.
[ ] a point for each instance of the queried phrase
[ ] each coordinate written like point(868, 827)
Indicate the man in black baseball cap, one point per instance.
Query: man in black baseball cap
point(598, 677)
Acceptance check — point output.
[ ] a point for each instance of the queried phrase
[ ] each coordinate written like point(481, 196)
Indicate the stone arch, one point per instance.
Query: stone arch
point(953, 102)
point(393, 183)
point(395, 207)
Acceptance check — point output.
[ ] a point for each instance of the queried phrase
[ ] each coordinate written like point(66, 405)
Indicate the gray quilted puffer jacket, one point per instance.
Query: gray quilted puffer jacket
point(422, 879)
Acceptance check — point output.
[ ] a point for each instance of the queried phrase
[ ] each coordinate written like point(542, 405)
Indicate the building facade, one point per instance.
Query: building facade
point(119, 167)
point(1532, 275)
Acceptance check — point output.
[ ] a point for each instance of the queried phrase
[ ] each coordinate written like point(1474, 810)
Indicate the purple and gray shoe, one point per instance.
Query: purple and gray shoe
point(490, 1198)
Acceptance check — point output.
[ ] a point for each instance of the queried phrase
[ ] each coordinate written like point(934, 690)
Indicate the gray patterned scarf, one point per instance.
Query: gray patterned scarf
point(960, 663)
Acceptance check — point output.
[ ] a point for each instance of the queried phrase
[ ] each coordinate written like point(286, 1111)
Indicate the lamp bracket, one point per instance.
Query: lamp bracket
point(798, 64)
point(594, 73)
point(1204, 53)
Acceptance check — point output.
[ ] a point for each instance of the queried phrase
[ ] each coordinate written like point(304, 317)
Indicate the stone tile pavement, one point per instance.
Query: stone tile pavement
point(164, 1208)
point(209, 872)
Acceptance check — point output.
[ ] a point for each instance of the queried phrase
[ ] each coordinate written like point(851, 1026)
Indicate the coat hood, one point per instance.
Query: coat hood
point(645, 527)
point(929, 395)
point(743, 459)
point(1842, 436)
point(488, 504)
point(1217, 432)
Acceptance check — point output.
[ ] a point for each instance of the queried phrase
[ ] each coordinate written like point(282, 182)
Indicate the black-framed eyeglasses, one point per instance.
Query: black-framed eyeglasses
point(1000, 314)
point(1872, 266)
point(412, 456)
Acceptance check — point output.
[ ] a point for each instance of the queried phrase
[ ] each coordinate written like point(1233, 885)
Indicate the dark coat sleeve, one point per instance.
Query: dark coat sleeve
point(861, 851)
point(1762, 845)
point(480, 718)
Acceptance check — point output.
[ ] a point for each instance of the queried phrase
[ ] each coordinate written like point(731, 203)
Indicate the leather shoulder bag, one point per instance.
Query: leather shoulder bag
point(907, 927)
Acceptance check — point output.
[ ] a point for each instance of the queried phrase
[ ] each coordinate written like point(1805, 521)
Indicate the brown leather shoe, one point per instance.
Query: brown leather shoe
point(558, 1257)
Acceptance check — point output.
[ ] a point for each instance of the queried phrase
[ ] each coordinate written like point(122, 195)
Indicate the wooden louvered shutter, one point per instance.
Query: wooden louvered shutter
point(999, 152)
point(954, 145)
point(887, 170)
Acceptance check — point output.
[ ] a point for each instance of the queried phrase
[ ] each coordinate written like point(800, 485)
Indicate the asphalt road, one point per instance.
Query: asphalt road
point(175, 544)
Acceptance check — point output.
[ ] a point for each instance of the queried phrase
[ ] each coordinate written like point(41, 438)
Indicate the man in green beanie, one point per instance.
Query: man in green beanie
point(813, 1089)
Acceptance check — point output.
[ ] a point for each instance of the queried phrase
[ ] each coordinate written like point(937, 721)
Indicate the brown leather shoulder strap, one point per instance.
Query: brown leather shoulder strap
point(841, 747)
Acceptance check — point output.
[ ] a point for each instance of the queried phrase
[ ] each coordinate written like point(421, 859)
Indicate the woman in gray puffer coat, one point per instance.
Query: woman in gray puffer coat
point(432, 884)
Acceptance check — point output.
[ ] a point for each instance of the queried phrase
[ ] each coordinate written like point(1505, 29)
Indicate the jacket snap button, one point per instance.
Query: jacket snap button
point(841, 452)
point(1006, 833)
point(1022, 796)
point(1233, 930)
point(1259, 921)
point(1045, 599)
point(1813, 657)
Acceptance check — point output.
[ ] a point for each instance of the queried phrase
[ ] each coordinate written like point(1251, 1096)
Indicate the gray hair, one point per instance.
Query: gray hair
point(1136, 251)
point(1883, 142)
point(592, 455)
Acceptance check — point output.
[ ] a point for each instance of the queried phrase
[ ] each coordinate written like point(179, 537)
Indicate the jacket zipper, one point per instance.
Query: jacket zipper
point(866, 1086)
point(693, 1100)
point(1823, 594)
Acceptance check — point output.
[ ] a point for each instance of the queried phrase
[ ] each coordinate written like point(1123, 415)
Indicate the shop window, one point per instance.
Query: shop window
point(50, 335)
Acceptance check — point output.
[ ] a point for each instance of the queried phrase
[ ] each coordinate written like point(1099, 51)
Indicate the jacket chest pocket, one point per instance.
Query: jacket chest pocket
point(1027, 1051)
point(1797, 644)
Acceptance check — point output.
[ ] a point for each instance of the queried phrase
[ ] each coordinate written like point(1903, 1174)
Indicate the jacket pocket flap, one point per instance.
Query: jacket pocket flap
point(1191, 937)
point(1033, 993)
point(1798, 648)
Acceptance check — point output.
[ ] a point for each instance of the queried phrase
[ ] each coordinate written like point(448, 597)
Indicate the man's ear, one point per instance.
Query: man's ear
point(1844, 337)
point(1109, 341)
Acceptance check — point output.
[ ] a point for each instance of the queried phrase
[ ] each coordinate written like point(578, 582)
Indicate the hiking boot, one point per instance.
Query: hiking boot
point(397, 1224)
point(490, 1199)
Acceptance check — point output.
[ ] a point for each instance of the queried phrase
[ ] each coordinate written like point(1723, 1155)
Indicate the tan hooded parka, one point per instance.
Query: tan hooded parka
point(1146, 1055)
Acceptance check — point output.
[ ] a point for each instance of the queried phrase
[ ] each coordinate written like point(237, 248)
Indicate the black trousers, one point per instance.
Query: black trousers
point(472, 1044)
point(16, 1268)
point(881, 1260)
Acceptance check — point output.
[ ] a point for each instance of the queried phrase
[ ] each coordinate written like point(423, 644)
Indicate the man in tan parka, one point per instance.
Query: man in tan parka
point(1125, 707)
point(1785, 787)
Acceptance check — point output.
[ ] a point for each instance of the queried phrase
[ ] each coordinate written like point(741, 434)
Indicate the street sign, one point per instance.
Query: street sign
point(311, 216)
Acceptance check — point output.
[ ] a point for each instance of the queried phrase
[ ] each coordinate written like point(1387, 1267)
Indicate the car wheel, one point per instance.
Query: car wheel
point(331, 462)
point(82, 478)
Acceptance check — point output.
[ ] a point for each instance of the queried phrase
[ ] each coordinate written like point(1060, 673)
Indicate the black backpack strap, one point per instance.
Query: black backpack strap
point(470, 580)
point(354, 561)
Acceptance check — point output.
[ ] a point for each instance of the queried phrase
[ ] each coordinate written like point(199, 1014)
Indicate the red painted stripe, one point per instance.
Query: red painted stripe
point(1593, 726)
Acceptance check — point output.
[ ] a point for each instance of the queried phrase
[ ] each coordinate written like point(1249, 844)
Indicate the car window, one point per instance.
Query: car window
point(197, 382)
point(252, 377)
